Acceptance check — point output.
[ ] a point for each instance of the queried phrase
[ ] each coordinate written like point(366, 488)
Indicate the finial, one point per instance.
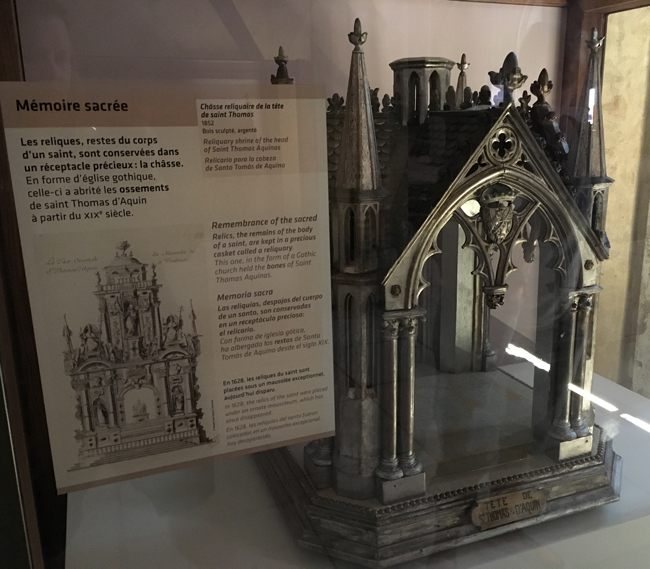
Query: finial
point(282, 77)
point(467, 99)
point(122, 246)
point(386, 103)
point(281, 56)
point(335, 104)
point(485, 96)
point(450, 99)
point(541, 87)
point(594, 43)
point(462, 81)
point(463, 65)
point(374, 99)
point(509, 77)
point(357, 37)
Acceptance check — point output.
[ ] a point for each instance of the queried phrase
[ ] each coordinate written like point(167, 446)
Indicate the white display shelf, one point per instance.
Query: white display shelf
point(221, 515)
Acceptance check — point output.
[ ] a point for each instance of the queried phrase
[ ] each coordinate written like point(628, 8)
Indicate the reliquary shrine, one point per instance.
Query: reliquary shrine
point(434, 192)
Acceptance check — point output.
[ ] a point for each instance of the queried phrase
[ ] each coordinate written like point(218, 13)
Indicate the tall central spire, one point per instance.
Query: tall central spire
point(359, 167)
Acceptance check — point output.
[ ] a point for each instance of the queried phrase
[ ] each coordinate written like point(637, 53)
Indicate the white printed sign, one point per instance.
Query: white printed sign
point(175, 241)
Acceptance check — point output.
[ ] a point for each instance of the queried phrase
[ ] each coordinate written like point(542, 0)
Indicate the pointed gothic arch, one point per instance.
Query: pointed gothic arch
point(371, 341)
point(508, 168)
point(414, 98)
point(348, 323)
point(435, 92)
point(370, 236)
point(350, 237)
point(508, 156)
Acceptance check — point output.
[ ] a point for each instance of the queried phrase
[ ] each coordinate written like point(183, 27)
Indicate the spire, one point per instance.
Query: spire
point(462, 80)
point(282, 77)
point(587, 151)
point(359, 167)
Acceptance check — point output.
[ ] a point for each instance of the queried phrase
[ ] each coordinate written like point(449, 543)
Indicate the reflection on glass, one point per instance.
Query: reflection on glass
point(636, 421)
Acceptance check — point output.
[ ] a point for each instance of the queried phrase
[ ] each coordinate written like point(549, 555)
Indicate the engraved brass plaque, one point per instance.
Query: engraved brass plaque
point(508, 508)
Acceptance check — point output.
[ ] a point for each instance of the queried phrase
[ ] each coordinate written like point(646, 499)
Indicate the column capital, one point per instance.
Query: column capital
point(390, 328)
point(409, 325)
point(585, 302)
point(401, 314)
point(582, 299)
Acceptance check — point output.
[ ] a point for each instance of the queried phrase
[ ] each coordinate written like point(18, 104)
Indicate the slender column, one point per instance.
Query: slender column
point(388, 468)
point(187, 389)
point(408, 330)
point(561, 427)
point(579, 422)
point(85, 410)
point(480, 327)
point(112, 411)
point(161, 382)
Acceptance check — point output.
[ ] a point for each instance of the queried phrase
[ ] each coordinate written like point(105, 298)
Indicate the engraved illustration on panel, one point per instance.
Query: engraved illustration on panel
point(134, 370)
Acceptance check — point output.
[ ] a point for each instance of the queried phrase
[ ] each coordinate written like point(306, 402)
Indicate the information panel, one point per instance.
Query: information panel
point(175, 240)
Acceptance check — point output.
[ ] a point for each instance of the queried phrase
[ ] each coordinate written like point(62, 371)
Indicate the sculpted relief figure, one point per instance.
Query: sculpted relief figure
point(178, 399)
point(131, 321)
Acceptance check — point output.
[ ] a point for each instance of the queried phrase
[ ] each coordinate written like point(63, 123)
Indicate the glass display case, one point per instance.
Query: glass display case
point(486, 251)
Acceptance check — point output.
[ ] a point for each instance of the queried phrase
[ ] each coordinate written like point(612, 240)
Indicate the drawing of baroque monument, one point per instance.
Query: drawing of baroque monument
point(135, 373)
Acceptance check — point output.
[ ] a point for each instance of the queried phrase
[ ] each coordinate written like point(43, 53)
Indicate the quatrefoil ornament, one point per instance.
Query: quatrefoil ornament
point(503, 147)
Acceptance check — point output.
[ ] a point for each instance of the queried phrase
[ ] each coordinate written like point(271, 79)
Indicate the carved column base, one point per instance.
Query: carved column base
point(410, 465)
point(580, 428)
point(565, 450)
point(562, 431)
point(406, 488)
point(389, 470)
point(317, 459)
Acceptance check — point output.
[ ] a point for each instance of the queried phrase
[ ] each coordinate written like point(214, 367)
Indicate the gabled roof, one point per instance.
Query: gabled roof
point(509, 154)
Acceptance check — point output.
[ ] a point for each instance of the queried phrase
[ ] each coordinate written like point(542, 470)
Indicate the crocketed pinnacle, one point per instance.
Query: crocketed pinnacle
point(358, 167)
point(587, 150)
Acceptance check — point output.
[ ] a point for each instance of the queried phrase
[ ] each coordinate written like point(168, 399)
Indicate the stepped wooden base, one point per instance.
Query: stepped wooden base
point(373, 535)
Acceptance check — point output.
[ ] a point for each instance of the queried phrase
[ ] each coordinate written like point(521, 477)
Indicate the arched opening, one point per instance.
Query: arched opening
point(334, 236)
point(370, 242)
point(139, 406)
point(500, 420)
point(371, 339)
point(414, 98)
point(348, 322)
point(350, 237)
point(435, 92)
point(515, 323)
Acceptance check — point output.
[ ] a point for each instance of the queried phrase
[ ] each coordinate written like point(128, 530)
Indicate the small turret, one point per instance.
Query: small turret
point(356, 204)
